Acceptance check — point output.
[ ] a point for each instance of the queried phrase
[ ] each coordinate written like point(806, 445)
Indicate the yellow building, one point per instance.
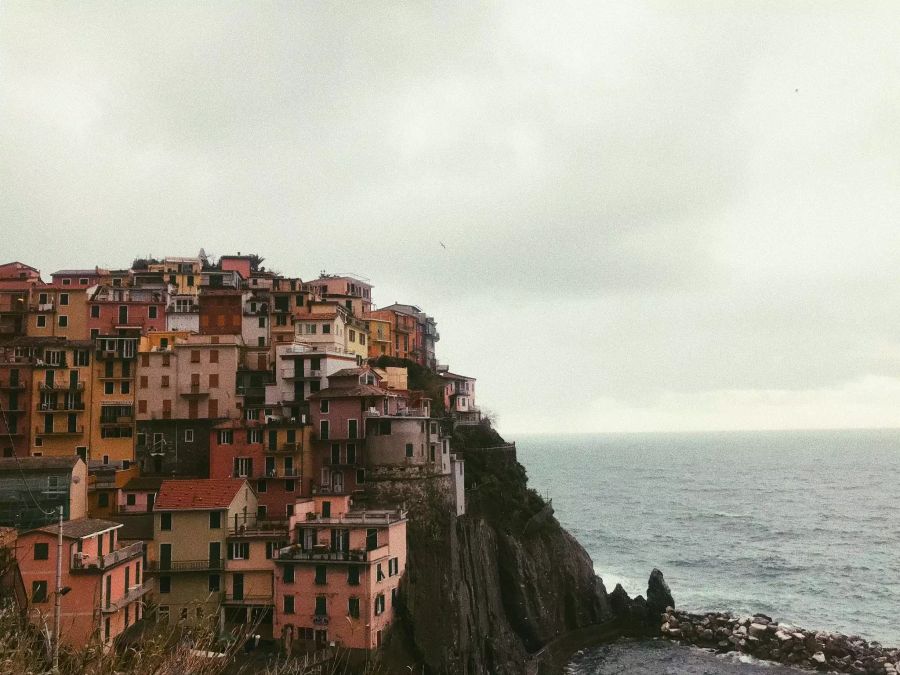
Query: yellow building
point(59, 311)
point(193, 520)
point(112, 399)
point(62, 387)
point(182, 273)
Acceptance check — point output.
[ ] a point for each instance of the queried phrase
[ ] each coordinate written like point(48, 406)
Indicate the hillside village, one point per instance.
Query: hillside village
point(212, 434)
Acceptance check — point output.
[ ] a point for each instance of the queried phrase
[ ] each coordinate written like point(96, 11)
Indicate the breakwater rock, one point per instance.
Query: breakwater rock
point(764, 638)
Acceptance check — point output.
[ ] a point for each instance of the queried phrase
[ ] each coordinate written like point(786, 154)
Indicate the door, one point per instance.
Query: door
point(123, 315)
point(237, 586)
point(165, 556)
point(337, 482)
point(215, 554)
point(151, 499)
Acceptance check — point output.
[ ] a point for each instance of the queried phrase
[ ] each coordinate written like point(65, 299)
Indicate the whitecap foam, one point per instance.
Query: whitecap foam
point(631, 585)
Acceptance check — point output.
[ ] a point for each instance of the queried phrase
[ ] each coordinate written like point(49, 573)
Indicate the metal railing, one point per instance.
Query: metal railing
point(59, 432)
point(83, 562)
point(134, 593)
point(186, 565)
point(328, 555)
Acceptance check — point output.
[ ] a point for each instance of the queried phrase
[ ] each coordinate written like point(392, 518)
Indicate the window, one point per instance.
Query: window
point(254, 435)
point(261, 485)
point(163, 612)
point(213, 355)
point(289, 510)
point(95, 311)
point(213, 380)
point(262, 511)
point(215, 520)
point(239, 550)
point(287, 604)
point(379, 573)
point(262, 322)
point(272, 548)
point(379, 604)
point(83, 281)
point(226, 437)
point(353, 575)
point(151, 312)
point(351, 453)
point(409, 449)
point(215, 583)
point(321, 605)
point(243, 467)
point(335, 453)
point(165, 584)
point(352, 428)
point(188, 435)
point(38, 591)
point(362, 338)
point(326, 329)
point(323, 406)
point(290, 486)
point(165, 521)
point(371, 539)
point(353, 607)
point(323, 430)
point(166, 361)
point(321, 575)
point(109, 388)
point(288, 575)
point(63, 298)
point(352, 335)
point(130, 499)
point(41, 321)
point(67, 282)
point(393, 567)
point(41, 551)
point(103, 499)
point(63, 321)
point(195, 356)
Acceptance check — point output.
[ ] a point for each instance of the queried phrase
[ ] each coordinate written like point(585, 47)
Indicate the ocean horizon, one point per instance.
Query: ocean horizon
point(798, 524)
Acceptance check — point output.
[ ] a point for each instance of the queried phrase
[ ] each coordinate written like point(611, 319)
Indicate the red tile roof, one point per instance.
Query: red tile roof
point(195, 495)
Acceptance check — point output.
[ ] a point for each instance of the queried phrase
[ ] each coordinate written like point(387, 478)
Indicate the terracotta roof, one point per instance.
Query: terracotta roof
point(81, 528)
point(350, 392)
point(196, 495)
point(136, 526)
point(348, 372)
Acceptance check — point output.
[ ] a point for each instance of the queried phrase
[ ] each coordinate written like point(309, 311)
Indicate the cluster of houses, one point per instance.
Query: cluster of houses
point(211, 434)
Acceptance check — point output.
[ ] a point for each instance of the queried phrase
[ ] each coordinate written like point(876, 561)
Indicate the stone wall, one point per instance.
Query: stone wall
point(766, 639)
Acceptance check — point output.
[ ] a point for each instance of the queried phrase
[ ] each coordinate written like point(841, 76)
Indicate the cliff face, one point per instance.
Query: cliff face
point(485, 591)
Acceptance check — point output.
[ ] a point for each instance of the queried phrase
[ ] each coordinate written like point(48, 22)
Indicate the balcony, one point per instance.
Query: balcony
point(69, 431)
point(42, 307)
point(18, 386)
point(134, 593)
point(195, 391)
point(117, 421)
point(259, 528)
point(77, 406)
point(283, 447)
point(62, 386)
point(245, 599)
point(81, 561)
point(320, 619)
point(324, 555)
point(158, 566)
point(405, 412)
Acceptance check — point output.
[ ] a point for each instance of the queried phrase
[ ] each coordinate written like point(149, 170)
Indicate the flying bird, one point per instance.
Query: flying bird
point(442, 244)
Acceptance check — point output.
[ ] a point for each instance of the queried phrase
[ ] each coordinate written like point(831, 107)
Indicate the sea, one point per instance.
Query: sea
point(801, 525)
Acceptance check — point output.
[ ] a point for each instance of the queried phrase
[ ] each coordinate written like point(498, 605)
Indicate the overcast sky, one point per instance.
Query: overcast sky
point(657, 216)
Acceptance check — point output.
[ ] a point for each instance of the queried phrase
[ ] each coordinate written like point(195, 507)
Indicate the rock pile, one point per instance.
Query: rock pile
point(764, 638)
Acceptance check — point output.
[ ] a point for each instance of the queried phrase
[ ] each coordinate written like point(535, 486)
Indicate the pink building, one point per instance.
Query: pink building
point(111, 310)
point(337, 582)
point(103, 583)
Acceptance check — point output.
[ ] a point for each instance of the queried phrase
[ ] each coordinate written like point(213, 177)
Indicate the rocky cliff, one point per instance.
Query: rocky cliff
point(485, 592)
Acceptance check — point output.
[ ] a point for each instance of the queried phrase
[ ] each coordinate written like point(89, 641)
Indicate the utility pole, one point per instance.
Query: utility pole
point(58, 594)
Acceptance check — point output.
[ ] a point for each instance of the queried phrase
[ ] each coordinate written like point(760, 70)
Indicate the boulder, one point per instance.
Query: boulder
point(757, 629)
point(619, 601)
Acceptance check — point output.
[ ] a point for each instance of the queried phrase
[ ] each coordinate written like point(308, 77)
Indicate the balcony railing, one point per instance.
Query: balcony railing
point(186, 565)
point(324, 554)
point(62, 386)
point(61, 407)
point(259, 528)
point(12, 385)
point(134, 593)
point(79, 429)
point(246, 599)
point(83, 562)
point(405, 412)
